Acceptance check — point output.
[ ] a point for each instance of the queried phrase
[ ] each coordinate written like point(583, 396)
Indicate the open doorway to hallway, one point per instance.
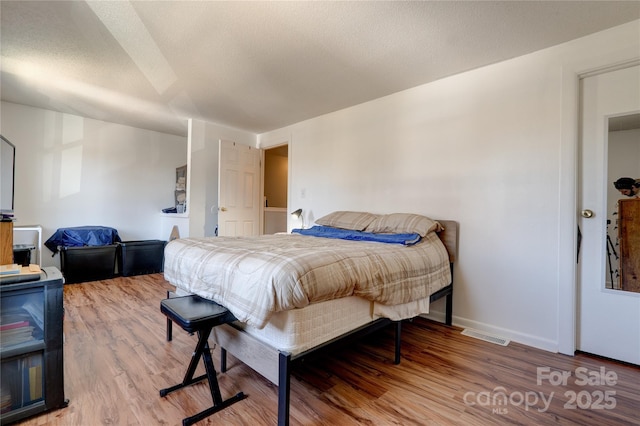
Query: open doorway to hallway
point(276, 184)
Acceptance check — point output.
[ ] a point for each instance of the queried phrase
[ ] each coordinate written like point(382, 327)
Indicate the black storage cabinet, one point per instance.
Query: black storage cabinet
point(141, 257)
point(32, 364)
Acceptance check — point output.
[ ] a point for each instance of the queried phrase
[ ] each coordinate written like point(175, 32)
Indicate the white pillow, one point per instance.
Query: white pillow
point(355, 221)
point(403, 223)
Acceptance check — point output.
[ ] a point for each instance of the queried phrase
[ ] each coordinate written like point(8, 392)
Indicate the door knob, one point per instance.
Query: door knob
point(587, 214)
point(223, 209)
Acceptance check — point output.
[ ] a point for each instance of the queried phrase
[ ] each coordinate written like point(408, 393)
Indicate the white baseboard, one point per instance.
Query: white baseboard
point(513, 335)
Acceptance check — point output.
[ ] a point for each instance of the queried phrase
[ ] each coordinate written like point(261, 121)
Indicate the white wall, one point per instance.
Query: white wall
point(75, 171)
point(491, 149)
point(202, 194)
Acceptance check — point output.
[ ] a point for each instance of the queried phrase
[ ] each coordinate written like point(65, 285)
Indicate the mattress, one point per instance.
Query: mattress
point(257, 277)
point(298, 330)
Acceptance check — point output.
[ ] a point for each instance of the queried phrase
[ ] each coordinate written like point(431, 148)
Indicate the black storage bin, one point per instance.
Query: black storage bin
point(89, 263)
point(141, 257)
point(87, 253)
point(22, 254)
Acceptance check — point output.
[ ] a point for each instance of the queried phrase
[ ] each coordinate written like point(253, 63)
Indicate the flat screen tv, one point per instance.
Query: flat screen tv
point(7, 177)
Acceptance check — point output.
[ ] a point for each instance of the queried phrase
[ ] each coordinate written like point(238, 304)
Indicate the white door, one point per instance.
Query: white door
point(238, 190)
point(608, 320)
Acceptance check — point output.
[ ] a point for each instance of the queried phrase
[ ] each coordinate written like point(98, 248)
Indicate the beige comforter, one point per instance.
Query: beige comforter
point(256, 276)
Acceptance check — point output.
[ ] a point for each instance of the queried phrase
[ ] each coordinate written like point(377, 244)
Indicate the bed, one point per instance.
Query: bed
point(296, 293)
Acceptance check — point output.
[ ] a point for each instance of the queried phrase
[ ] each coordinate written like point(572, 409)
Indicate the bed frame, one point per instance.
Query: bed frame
point(275, 365)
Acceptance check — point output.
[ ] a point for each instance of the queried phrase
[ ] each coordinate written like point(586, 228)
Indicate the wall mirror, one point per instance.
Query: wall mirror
point(623, 206)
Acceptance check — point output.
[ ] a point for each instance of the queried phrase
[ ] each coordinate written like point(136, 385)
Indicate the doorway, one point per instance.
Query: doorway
point(276, 184)
point(238, 190)
point(608, 320)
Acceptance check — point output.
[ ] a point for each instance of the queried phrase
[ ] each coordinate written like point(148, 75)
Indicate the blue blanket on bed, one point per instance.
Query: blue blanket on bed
point(345, 234)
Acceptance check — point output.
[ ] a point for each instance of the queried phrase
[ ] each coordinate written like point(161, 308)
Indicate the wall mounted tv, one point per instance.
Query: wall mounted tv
point(7, 177)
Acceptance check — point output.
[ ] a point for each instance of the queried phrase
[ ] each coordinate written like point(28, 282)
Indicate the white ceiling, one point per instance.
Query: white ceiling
point(259, 66)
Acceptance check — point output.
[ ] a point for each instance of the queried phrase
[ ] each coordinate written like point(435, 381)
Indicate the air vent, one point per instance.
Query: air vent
point(486, 337)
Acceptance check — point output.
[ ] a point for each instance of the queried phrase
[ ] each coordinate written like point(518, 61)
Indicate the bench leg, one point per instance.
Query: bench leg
point(209, 411)
point(211, 374)
point(218, 403)
point(169, 323)
point(203, 350)
point(193, 364)
point(223, 359)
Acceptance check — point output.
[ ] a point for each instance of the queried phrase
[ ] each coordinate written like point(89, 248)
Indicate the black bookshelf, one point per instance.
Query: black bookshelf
point(31, 350)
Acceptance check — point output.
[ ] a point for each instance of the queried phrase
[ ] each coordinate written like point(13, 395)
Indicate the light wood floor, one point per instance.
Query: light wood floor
point(117, 359)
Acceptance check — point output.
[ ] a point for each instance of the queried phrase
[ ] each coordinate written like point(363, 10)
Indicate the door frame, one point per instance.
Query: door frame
point(263, 151)
point(568, 202)
point(263, 146)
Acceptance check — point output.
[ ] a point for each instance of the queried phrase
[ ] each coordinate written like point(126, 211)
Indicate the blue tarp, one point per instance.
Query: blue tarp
point(345, 234)
point(81, 236)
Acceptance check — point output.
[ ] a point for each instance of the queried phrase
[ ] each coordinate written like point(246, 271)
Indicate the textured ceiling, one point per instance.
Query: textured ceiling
point(259, 66)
